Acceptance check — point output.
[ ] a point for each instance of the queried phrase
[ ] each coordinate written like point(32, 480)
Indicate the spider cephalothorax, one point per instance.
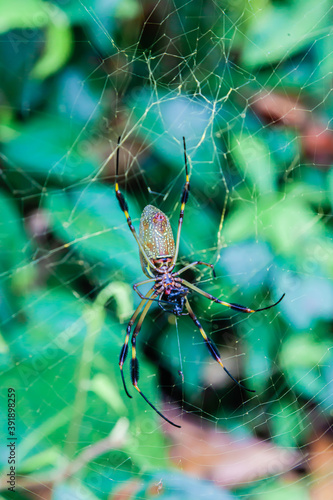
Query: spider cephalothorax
point(158, 256)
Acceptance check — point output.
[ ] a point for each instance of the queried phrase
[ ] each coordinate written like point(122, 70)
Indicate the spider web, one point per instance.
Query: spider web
point(248, 83)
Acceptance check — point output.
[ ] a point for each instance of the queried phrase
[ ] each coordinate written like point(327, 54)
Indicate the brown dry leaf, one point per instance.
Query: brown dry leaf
point(127, 491)
point(317, 143)
point(36, 491)
point(321, 467)
point(210, 453)
point(315, 137)
point(275, 108)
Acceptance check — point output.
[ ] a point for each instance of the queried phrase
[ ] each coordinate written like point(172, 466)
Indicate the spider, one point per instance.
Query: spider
point(158, 255)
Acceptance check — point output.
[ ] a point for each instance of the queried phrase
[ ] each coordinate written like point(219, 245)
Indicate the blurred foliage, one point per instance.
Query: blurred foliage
point(248, 84)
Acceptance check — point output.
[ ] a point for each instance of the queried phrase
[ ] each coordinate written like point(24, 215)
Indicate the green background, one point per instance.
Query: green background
point(76, 75)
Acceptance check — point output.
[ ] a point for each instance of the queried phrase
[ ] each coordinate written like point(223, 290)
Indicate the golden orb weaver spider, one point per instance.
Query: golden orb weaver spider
point(158, 256)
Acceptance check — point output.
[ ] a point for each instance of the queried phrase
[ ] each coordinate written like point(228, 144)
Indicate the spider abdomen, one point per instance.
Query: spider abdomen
point(156, 236)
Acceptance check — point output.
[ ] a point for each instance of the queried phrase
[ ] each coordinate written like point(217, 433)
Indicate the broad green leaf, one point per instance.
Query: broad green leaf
point(49, 457)
point(307, 363)
point(100, 20)
point(123, 296)
point(105, 389)
point(268, 218)
point(43, 430)
point(199, 234)
point(48, 150)
point(183, 353)
point(127, 9)
point(92, 222)
point(53, 349)
point(31, 379)
point(255, 162)
point(15, 248)
point(58, 46)
point(5, 356)
point(282, 489)
point(321, 77)
point(240, 223)
point(162, 119)
point(20, 14)
point(6, 126)
point(280, 30)
point(283, 145)
point(260, 337)
point(35, 14)
point(288, 423)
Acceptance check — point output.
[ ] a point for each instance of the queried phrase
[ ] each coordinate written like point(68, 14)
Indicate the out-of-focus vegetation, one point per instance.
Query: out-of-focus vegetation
point(249, 85)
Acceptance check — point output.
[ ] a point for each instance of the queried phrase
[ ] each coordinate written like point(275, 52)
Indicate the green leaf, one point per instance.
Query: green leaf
point(304, 360)
point(48, 352)
point(92, 222)
point(127, 10)
point(181, 348)
point(261, 339)
point(288, 423)
point(58, 45)
point(280, 30)
point(15, 248)
point(106, 390)
point(44, 430)
point(14, 244)
point(35, 14)
point(49, 457)
point(299, 237)
point(283, 145)
point(255, 161)
point(48, 149)
point(196, 244)
point(282, 489)
point(163, 119)
point(123, 295)
point(20, 14)
point(54, 319)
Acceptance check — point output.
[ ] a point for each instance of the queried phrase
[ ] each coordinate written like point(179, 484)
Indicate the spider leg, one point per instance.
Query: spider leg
point(124, 349)
point(193, 264)
point(136, 285)
point(236, 307)
point(135, 363)
point(124, 208)
point(184, 198)
point(212, 347)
